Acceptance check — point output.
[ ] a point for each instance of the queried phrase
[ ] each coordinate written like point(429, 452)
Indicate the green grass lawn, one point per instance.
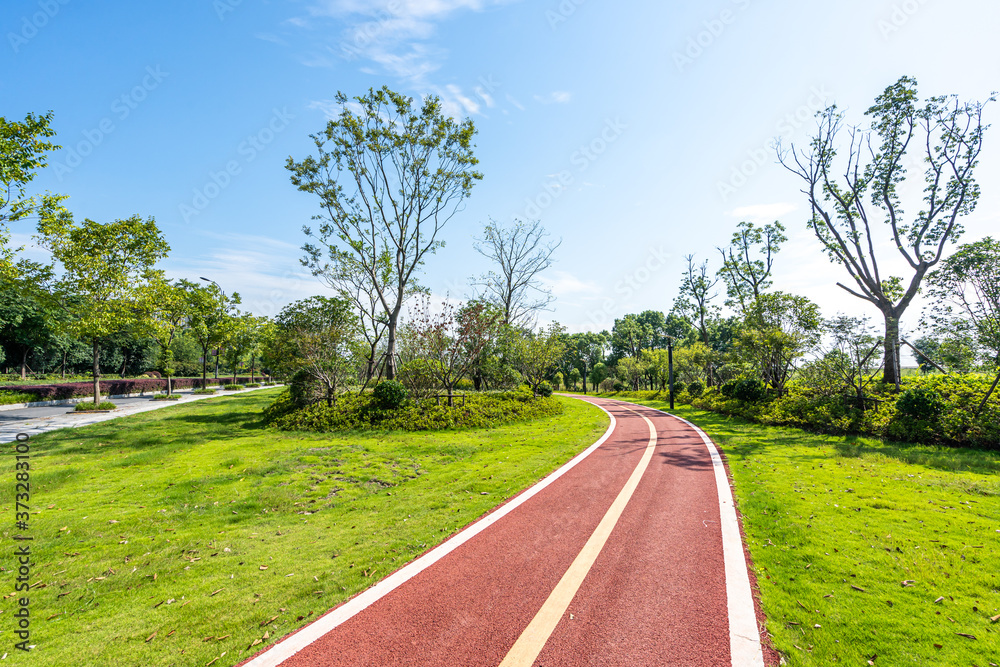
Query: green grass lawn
point(864, 548)
point(191, 533)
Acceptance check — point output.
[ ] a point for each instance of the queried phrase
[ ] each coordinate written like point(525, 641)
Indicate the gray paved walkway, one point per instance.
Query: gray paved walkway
point(33, 421)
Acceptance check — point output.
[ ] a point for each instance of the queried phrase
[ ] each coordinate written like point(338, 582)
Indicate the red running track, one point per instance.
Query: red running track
point(655, 595)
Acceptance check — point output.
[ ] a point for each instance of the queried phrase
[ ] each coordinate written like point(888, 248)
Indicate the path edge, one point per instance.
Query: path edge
point(303, 637)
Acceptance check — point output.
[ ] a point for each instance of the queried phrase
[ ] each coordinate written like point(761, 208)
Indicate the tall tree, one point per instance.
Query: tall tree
point(846, 209)
point(537, 354)
point(747, 262)
point(166, 307)
point(318, 335)
point(694, 303)
point(452, 339)
point(585, 351)
point(389, 176)
point(104, 267)
point(520, 253)
point(778, 330)
point(210, 313)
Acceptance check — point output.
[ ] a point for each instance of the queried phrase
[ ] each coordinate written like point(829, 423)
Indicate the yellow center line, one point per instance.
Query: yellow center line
point(533, 639)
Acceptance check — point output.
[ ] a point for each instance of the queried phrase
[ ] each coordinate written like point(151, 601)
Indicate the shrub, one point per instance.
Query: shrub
point(607, 385)
point(728, 388)
point(12, 397)
point(465, 384)
point(203, 391)
point(304, 389)
point(252, 385)
point(354, 412)
point(152, 374)
point(618, 385)
point(419, 378)
point(232, 387)
point(696, 388)
point(390, 394)
point(88, 406)
point(750, 390)
point(920, 403)
point(544, 389)
point(166, 397)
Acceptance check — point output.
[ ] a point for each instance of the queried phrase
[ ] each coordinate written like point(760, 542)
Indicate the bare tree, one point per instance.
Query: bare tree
point(520, 253)
point(949, 134)
point(392, 177)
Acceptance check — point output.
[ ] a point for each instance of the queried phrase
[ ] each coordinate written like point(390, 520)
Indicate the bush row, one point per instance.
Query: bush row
point(933, 409)
point(66, 390)
point(364, 412)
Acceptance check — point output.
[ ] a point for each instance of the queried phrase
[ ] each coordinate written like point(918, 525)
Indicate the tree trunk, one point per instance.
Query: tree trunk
point(253, 360)
point(65, 352)
point(890, 345)
point(451, 401)
point(24, 364)
point(97, 372)
point(584, 377)
point(204, 367)
point(390, 355)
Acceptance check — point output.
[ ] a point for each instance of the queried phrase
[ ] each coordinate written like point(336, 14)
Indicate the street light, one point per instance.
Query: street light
point(217, 350)
point(670, 368)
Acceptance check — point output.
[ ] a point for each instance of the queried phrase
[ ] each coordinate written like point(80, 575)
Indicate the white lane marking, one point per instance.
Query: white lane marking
point(311, 633)
point(533, 638)
point(744, 635)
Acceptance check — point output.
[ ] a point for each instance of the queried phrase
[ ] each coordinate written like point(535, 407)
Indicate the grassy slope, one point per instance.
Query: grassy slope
point(197, 525)
point(825, 514)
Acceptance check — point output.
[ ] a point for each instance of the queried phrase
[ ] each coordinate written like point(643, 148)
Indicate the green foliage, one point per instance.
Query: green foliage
point(362, 412)
point(87, 406)
point(696, 388)
point(544, 389)
point(232, 387)
point(920, 403)
point(955, 423)
point(252, 385)
point(205, 391)
point(728, 389)
point(14, 397)
point(390, 395)
point(618, 385)
point(749, 390)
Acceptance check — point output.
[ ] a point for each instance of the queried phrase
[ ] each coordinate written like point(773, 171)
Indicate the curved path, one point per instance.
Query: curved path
point(628, 555)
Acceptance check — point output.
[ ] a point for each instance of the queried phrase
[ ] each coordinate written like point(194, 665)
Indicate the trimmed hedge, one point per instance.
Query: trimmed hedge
point(66, 390)
point(354, 412)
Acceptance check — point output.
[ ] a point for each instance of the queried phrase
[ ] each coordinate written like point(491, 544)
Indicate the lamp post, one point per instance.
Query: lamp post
point(670, 368)
point(225, 310)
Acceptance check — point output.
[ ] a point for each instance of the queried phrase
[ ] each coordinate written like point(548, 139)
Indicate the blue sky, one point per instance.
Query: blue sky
point(638, 132)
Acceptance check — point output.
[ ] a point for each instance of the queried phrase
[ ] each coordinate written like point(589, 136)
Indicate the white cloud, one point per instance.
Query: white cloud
point(763, 212)
point(555, 97)
point(274, 39)
point(392, 37)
